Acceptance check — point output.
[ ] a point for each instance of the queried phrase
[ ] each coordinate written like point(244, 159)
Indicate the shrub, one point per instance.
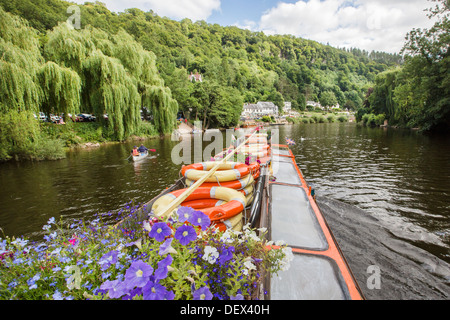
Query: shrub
point(266, 119)
point(18, 132)
point(379, 119)
point(331, 118)
point(146, 129)
point(342, 118)
point(48, 149)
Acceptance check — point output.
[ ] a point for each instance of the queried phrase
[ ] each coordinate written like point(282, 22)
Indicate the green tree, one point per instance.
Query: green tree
point(328, 99)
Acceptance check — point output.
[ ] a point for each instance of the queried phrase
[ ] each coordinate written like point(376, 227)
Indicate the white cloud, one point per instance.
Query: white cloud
point(379, 25)
point(174, 9)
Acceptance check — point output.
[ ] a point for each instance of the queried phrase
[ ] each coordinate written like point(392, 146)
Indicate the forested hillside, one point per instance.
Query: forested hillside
point(238, 65)
point(120, 63)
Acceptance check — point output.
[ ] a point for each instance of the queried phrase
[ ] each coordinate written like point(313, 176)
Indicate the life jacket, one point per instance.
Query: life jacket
point(135, 152)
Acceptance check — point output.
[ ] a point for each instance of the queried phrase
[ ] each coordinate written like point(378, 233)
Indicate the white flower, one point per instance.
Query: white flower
point(252, 235)
point(211, 254)
point(226, 237)
point(285, 263)
point(249, 265)
point(280, 243)
point(147, 226)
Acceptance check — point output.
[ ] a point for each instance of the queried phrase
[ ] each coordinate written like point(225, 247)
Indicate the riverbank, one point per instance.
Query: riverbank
point(51, 141)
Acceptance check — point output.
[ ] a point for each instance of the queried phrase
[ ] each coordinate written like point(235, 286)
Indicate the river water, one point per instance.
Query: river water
point(385, 193)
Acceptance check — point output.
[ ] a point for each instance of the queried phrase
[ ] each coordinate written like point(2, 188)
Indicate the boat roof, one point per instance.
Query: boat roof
point(318, 270)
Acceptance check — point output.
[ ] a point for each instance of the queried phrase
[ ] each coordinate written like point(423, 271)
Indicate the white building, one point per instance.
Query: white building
point(313, 104)
point(287, 107)
point(259, 110)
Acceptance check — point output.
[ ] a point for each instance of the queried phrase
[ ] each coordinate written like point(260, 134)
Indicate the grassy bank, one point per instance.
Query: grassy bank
point(315, 117)
point(28, 139)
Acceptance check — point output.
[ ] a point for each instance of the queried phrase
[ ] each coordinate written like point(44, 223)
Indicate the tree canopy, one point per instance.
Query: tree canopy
point(418, 93)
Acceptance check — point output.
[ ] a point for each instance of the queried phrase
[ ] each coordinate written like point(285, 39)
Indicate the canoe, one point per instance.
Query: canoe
point(283, 203)
point(140, 156)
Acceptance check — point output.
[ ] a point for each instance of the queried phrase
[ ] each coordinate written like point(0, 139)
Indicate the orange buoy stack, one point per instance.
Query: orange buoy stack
point(234, 180)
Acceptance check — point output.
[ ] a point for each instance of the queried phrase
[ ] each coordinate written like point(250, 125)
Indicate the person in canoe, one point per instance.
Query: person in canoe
point(142, 149)
point(135, 151)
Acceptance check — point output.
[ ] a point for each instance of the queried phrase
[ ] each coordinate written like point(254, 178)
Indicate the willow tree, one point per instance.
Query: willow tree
point(162, 107)
point(109, 89)
point(155, 96)
point(68, 47)
point(19, 60)
point(61, 89)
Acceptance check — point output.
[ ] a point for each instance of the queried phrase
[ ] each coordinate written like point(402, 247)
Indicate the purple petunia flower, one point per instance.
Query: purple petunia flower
point(185, 213)
point(200, 219)
point(237, 297)
point(133, 293)
point(185, 234)
point(202, 294)
point(166, 247)
point(226, 255)
point(160, 231)
point(154, 291)
point(115, 288)
point(162, 271)
point(138, 274)
point(108, 259)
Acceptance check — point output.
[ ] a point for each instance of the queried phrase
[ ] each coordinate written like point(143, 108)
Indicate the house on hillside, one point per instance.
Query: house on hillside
point(195, 77)
point(314, 104)
point(287, 107)
point(259, 109)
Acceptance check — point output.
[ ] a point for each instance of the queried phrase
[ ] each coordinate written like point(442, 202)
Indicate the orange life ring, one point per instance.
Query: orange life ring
point(235, 201)
point(257, 141)
point(255, 147)
point(202, 203)
point(235, 184)
point(227, 171)
point(257, 154)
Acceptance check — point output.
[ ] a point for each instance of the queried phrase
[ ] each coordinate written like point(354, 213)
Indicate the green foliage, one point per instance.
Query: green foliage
point(20, 138)
point(61, 89)
point(266, 119)
point(331, 118)
point(342, 118)
point(372, 120)
point(417, 95)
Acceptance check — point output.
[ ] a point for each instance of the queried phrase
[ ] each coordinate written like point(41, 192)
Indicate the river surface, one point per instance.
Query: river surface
point(379, 183)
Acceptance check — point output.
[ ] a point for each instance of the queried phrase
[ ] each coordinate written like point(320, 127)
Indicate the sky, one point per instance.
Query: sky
point(379, 25)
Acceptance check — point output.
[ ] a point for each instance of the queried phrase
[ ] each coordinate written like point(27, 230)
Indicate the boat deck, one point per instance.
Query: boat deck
point(318, 271)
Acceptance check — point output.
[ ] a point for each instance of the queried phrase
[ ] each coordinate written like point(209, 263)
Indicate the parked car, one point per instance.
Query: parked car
point(85, 117)
point(54, 118)
point(42, 116)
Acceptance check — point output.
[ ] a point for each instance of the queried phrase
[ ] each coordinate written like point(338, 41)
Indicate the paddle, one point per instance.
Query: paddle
point(152, 150)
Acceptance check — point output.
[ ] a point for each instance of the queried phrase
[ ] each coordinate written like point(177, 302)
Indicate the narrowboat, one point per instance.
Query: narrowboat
point(268, 190)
